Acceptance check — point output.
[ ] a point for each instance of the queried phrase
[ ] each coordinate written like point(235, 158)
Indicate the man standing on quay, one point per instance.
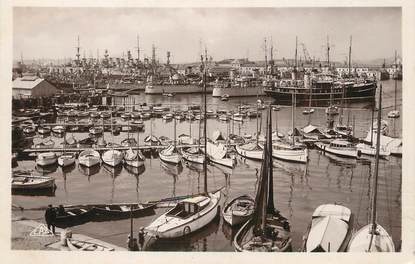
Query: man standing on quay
point(50, 217)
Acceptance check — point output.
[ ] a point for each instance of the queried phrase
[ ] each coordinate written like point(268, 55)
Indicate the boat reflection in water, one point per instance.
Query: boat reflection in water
point(195, 241)
point(112, 171)
point(89, 171)
point(45, 170)
point(136, 171)
point(171, 169)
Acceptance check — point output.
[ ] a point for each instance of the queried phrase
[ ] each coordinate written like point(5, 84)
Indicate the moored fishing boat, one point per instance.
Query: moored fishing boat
point(290, 152)
point(43, 130)
point(330, 229)
point(79, 245)
point(112, 157)
point(32, 183)
point(66, 159)
point(72, 215)
point(122, 210)
point(96, 131)
point(58, 129)
point(218, 153)
point(250, 151)
point(134, 158)
point(89, 158)
point(46, 158)
point(239, 210)
point(45, 143)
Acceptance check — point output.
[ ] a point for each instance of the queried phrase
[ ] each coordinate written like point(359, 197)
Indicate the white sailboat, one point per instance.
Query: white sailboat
point(373, 237)
point(190, 214)
point(170, 154)
point(251, 150)
point(66, 159)
point(134, 158)
point(218, 153)
point(112, 157)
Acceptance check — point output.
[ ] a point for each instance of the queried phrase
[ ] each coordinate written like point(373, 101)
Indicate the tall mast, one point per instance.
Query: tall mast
point(375, 179)
point(257, 129)
point(328, 53)
point(296, 43)
point(293, 116)
point(174, 141)
point(204, 122)
point(138, 48)
point(350, 56)
point(396, 68)
point(265, 52)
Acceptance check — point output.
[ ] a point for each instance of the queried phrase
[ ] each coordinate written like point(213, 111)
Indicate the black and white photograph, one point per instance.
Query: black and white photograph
point(207, 129)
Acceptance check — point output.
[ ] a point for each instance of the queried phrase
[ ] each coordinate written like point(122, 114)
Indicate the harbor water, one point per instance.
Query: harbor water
point(298, 188)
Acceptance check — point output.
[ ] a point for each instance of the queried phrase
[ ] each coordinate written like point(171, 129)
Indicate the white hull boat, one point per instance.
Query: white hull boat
point(170, 155)
point(394, 114)
point(381, 242)
point(66, 160)
point(371, 151)
point(250, 151)
point(134, 158)
point(32, 183)
point(218, 153)
point(239, 210)
point(89, 158)
point(193, 156)
point(186, 217)
point(340, 148)
point(289, 153)
point(45, 159)
point(330, 229)
point(112, 157)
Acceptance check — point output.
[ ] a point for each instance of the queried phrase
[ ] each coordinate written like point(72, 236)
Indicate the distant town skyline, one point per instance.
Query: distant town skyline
point(49, 32)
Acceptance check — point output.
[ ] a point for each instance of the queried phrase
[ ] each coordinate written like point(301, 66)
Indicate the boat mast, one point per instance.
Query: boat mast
point(270, 200)
point(257, 130)
point(396, 80)
point(350, 57)
point(174, 141)
point(293, 116)
point(204, 121)
point(375, 179)
point(371, 128)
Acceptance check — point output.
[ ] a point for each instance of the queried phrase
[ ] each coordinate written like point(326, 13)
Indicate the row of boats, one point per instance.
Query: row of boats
point(263, 228)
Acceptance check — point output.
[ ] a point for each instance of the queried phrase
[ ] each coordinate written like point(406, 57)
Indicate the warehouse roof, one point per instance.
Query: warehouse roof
point(27, 82)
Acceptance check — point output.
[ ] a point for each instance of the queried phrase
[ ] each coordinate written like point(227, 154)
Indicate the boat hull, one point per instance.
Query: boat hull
point(176, 88)
point(250, 154)
point(361, 240)
point(238, 91)
point(300, 156)
point(339, 152)
point(237, 218)
point(65, 161)
point(191, 224)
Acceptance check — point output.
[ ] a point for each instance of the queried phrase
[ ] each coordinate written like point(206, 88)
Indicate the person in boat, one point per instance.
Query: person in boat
point(61, 210)
point(50, 217)
point(141, 235)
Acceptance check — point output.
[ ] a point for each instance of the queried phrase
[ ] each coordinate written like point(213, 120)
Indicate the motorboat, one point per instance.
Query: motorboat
point(112, 157)
point(342, 148)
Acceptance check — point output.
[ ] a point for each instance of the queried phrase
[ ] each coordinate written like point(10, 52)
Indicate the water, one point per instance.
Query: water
point(298, 188)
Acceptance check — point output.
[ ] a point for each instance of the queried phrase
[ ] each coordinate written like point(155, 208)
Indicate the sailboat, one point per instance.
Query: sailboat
point(170, 154)
point(190, 214)
point(394, 113)
point(290, 152)
point(251, 150)
point(112, 157)
point(267, 230)
point(150, 141)
point(134, 158)
point(193, 154)
point(373, 237)
point(66, 159)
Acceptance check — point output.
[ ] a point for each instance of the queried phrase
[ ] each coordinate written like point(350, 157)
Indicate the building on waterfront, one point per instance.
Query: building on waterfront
point(32, 86)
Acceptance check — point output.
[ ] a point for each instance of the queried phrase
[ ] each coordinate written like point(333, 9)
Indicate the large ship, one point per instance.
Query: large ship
point(176, 84)
point(321, 90)
point(242, 86)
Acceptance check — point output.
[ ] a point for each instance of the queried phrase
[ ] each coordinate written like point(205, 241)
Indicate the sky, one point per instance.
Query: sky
point(50, 32)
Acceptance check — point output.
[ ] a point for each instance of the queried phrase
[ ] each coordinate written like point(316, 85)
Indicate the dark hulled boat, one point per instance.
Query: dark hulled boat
point(267, 230)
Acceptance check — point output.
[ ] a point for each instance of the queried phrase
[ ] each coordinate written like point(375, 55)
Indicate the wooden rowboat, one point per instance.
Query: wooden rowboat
point(239, 210)
point(79, 245)
point(119, 211)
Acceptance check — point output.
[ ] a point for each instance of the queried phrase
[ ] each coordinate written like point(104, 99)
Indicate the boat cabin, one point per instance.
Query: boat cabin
point(189, 207)
point(341, 144)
